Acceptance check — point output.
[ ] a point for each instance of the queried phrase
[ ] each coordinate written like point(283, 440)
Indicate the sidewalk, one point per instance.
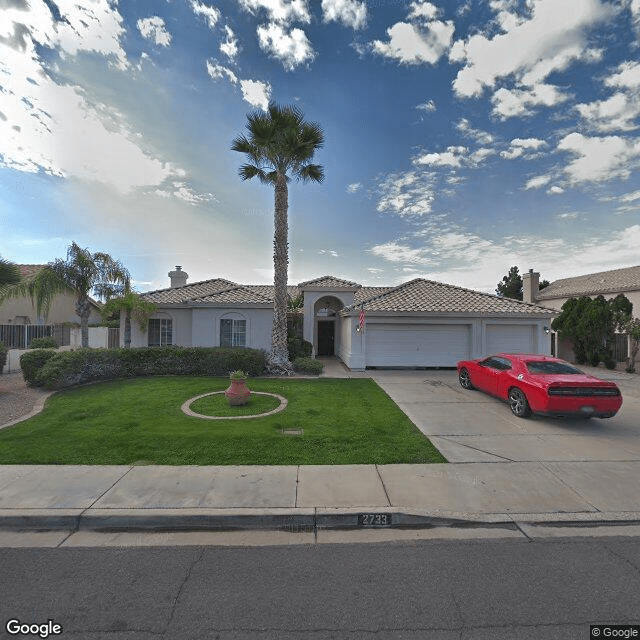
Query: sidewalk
point(308, 498)
point(505, 497)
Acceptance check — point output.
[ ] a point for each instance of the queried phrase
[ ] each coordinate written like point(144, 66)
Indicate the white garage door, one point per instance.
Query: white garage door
point(417, 345)
point(511, 338)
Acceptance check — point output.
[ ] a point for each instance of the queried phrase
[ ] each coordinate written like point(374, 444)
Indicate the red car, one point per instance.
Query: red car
point(541, 384)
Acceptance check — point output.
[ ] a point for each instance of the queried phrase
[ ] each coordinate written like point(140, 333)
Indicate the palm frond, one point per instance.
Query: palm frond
point(9, 273)
point(310, 173)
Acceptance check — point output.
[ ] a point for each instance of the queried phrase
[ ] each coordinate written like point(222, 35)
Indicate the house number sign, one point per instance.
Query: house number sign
point(374, 519)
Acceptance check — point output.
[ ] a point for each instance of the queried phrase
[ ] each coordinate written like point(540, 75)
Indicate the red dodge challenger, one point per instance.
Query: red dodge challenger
point(541, 384)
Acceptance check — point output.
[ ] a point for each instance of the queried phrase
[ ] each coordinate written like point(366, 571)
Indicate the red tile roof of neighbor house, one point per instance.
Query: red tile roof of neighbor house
point(29, 270)
point(614, 281)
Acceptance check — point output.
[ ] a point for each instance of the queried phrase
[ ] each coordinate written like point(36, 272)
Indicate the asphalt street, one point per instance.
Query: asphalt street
point(473, 590)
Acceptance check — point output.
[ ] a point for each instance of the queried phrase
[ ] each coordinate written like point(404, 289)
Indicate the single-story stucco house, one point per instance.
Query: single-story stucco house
point(416, 324)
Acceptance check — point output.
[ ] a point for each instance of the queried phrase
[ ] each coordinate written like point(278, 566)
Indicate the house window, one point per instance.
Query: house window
point(160, 332)
point(233, 333)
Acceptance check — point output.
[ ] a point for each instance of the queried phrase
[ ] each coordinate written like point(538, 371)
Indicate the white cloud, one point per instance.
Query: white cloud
point(54, 128)
point(354, 187)
point(522, 148)
point(181, 191)
point(509, 103)
point(628, 76)
point(256, 93)
point(292, 49)
point(279, 10)
point(550, 37)
point(407, 194)
point(600, 158)
point(630, 197)
point(452, 157)
point(537, 182)
point(349, 12)
point(617, 113)
point(555, 190)
point(328, 252)
point(428, 106)
point(416, 43)
point(394, 252)
point(481, 137)
point(210, 14)
point(230, 46)
point(423, 9)
point(154, 29)
point(218, 71)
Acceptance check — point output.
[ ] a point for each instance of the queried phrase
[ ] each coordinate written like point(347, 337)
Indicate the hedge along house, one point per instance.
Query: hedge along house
point(417, 324)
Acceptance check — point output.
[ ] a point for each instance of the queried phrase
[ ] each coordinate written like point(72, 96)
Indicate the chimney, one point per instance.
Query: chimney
point(530, 284)
point(178, 277)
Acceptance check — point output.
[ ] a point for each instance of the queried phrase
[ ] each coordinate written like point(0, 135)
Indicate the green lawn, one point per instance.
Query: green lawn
point(140, 421)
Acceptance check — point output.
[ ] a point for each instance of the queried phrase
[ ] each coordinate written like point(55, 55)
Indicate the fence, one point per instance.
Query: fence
point(19, 336)
point(620, 347)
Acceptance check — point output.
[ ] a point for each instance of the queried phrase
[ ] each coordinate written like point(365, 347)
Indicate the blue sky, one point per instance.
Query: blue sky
point(461, 138)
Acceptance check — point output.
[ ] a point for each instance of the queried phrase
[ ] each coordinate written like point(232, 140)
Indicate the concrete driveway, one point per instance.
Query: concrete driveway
point(470, 426)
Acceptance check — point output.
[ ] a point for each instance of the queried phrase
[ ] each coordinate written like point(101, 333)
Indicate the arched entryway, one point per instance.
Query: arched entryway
point(325, 312)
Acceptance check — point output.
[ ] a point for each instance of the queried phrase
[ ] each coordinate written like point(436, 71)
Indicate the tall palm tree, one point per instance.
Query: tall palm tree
point(280, 146)
point(80, 274)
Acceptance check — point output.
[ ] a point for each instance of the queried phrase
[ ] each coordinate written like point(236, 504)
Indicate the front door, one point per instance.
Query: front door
point(326, 336)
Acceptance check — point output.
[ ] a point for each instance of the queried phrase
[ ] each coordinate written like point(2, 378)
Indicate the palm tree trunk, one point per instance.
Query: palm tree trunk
point(83, 309)
point(127, 329)
point(279, 356)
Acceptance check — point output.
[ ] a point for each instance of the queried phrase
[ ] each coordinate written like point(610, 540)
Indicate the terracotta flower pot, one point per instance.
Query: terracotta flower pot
point(237, 393)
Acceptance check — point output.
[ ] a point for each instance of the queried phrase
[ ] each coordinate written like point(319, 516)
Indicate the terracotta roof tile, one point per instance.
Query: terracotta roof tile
point(236, 295)
point(188, 292)
point(617, 280)
point(427, 296)
point(328, 282)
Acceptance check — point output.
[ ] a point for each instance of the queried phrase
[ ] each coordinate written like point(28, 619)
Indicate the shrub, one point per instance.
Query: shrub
point(69, 368)
point(3, 355)
point(44, 343)
point(609, 362)
point(32, 362)
point(299, 348)
point(308, 365)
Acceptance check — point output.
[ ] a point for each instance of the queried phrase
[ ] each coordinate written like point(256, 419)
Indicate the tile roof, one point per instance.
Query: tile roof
point(435, 297)
point(188, 292)
point(328, 282)
point(235, 295)
point(29, 270)
point(617, 280)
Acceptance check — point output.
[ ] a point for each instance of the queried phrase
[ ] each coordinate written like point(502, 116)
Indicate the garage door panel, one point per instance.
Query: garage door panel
point(511, 338)
point(417, 345)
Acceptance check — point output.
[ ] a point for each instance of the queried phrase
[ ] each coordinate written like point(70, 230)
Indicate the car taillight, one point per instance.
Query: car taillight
point(583, 392)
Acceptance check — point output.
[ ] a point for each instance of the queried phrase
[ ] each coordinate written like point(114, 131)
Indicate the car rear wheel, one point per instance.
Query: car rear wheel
point(465, 379)
point(518, 403)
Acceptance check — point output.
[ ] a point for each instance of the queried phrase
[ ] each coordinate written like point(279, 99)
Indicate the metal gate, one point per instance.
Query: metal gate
point(19, 336)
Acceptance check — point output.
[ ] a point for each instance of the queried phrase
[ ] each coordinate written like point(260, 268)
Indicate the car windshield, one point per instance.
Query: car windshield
point(546, 368)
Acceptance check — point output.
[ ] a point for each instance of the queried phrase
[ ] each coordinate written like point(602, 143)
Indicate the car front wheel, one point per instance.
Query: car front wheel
point(518, 403)
point(465, 379)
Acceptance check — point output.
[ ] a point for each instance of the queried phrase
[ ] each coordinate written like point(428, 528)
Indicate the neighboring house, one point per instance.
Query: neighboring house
point(416, 324)
point(22, 311)
point(606, 283)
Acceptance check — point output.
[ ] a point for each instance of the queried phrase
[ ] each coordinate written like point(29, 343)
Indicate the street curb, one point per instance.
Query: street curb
point(293, 521)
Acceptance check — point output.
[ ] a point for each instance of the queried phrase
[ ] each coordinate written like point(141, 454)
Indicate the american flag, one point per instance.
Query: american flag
point(361, 319)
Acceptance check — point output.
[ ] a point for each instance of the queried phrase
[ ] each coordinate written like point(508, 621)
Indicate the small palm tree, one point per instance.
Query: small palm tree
point(134, 306)
point(81, 273)
point(280, 145)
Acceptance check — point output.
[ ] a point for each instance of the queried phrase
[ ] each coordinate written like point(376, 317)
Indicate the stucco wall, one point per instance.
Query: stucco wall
point(200, 326)
point(62, 310)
